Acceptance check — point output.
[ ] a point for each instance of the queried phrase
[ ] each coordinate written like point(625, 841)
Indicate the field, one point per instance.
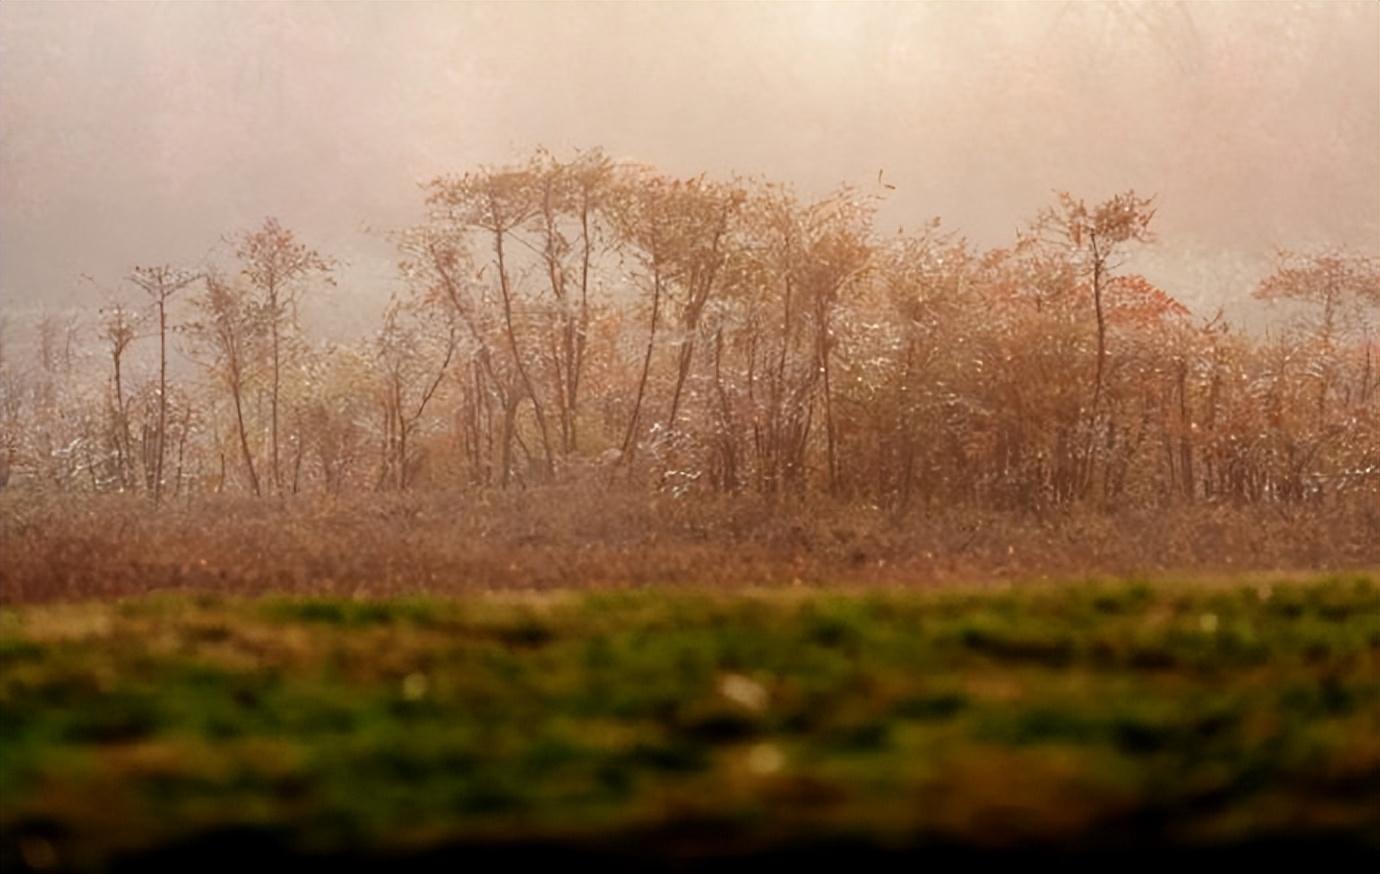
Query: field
point(688, 726)
point(586, 536)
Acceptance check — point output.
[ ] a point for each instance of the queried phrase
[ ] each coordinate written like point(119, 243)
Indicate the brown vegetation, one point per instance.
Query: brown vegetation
point(583, 537)
point(592, 372)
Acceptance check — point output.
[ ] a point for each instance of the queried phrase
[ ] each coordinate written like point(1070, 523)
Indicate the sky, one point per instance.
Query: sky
point(137, 133)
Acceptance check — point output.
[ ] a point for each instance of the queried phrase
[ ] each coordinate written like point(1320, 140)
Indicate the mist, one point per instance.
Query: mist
point(140, 133)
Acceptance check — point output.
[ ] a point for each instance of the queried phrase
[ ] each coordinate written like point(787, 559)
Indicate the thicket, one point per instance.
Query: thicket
point(578, 320)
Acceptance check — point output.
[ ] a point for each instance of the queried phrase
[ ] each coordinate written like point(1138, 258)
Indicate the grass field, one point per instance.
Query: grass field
point(647, 726)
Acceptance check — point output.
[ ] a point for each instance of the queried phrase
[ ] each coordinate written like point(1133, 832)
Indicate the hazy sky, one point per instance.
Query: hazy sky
point(137, 132)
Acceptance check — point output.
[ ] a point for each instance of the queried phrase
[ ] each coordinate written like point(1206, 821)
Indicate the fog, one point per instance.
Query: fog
point(132, 134)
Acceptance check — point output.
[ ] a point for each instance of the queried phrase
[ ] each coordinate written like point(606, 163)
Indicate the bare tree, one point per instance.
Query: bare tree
point(161, 283)
point(118, 330)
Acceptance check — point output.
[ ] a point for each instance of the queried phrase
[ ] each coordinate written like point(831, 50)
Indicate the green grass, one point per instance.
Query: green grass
point(1110, 714)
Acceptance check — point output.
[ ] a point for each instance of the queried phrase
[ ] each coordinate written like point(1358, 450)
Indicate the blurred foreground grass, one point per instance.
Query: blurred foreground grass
point(689, 726)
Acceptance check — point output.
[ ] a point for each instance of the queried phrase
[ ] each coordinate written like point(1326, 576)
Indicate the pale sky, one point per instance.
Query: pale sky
point(134, 133)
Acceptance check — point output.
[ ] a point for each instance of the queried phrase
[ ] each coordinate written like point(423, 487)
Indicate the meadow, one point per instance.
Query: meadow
point(684, 726)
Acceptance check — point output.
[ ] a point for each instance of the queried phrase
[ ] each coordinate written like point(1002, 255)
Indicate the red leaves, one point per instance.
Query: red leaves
point(1136, 302)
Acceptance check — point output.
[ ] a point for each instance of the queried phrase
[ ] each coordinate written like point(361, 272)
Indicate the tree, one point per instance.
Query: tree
point(331, 431)
point(1340, 293)
point(570, 196)
point(803, 257)
point(642, 218)
point(439, 266)
point(10, 407)
point(408, 347)
point(678, 230)
point(278, 266)
point(1343, 286)
point(118, 330)
point(1095, 238)
point(232, 329)
point(704, 211)
point(161, 283)
point(499, 203)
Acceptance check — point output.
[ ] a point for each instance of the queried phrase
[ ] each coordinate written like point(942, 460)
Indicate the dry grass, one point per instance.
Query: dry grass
point(575, 537)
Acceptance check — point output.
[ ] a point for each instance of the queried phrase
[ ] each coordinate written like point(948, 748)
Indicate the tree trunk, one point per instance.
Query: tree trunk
point(629, 443)
point(273, 411)
point(235, 390)
point(517, 354)
point(162, 395)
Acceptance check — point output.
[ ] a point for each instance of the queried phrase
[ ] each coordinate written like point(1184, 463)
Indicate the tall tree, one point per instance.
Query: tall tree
point(640, 208)
point(1095, 238)
point(704, 212)
point(570, 196)
point(118, 327)
point(499, 203)
point(161, 283)
point(278, 266)
point(232, 329)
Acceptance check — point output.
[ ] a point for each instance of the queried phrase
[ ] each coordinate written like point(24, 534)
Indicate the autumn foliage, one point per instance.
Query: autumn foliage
point(561, 321)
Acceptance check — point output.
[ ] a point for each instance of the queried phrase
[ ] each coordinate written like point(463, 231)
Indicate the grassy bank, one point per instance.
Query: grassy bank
point(1102, 715)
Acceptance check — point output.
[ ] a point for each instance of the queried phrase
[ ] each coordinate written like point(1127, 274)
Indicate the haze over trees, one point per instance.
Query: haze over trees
point(573, 318)
point(688, 432)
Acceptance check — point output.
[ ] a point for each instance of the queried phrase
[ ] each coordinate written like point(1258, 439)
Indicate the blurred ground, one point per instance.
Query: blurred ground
point(694, 726)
